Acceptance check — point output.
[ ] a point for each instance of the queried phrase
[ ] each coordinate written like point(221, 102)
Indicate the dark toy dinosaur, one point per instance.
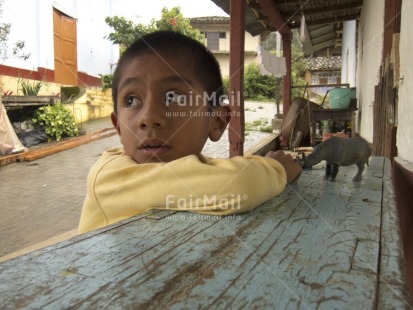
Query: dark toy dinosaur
point(340, 152)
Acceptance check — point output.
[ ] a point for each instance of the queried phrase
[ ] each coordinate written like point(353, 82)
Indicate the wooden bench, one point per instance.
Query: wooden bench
point(319, 244)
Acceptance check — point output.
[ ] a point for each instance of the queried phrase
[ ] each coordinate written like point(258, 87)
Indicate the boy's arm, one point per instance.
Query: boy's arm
point(119, 188)
point(292, 169)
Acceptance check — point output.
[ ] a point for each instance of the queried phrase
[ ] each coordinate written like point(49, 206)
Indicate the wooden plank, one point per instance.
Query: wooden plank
point(29, 99)
point(316, 245)
point(395, 59)
point(236, 128)
point(264, 146)
point(393, 291)
point(9, 159)
point(22, 105)
point(287, 39)
point(321, 85)
point(68, 144)
point(276, 19)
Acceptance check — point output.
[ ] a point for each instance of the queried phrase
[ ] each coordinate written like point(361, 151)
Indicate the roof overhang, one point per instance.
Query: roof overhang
point(323, 18)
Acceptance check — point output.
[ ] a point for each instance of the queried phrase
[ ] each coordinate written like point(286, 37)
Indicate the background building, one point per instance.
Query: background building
point(217, 35)
point(65, 39)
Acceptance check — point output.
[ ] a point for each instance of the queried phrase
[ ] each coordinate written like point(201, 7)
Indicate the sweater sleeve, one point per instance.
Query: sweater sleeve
point(118, 187)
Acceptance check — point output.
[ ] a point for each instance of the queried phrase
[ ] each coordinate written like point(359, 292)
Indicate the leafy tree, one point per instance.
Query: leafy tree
point(174, 20)
point(16, 49)
point(126, 32)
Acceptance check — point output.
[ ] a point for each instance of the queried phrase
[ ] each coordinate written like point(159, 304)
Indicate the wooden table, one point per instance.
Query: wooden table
point(330, 114)
point(317, 245)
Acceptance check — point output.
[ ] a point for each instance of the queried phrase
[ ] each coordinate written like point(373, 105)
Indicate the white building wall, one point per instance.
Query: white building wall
point(405, 104)
point(348, 52)
point(369, 55)
point(45, 45)
point(25, 26)
point(250, 46)
point(96, 54)
point(34, 25)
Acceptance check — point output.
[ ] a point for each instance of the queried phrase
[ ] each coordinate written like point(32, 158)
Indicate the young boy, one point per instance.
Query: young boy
point(167, 93)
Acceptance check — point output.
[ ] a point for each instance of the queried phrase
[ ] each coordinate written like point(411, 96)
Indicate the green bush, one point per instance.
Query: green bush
point(258, 86)
point(56, 120)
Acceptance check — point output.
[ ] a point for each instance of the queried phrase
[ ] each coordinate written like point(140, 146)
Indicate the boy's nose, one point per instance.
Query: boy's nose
point(152, 116)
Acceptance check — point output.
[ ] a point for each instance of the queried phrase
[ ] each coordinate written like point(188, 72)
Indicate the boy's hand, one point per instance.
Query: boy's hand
point(292, 169)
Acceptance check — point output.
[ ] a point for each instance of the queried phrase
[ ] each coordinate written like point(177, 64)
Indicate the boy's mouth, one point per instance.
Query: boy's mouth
point(154, 148)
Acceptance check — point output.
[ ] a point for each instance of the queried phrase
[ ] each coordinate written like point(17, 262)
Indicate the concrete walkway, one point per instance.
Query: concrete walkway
point(42, 200)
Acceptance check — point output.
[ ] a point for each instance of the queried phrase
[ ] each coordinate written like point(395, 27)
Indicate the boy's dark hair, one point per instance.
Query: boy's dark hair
point(203, 61)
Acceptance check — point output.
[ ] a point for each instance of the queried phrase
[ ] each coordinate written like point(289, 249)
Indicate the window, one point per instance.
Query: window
point(213, 41)
point(222, 35)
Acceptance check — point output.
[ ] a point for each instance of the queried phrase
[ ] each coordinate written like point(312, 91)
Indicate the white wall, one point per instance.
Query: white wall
point(348, 52)
point(34, 25)
point(369, 56)
point(405, 104)
point(95, 53)
point(25, 26)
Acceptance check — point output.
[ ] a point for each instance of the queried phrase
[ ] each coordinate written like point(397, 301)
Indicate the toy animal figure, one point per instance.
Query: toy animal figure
point(340, 152)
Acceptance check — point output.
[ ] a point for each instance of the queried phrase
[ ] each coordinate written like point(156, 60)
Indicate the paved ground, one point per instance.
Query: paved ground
point(43, 199)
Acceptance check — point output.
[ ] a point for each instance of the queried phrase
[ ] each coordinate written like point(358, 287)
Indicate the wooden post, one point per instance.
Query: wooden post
point(287, 78)
point(236, 73)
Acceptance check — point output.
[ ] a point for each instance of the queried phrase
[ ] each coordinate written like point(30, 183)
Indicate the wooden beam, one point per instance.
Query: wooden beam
point(270, 9)
point(236, 73)
point(326, 9)
point(297, 23)
point(320, 46)
point(303, 3)
point(286, 38)
point(323, 38)
point(390, 26)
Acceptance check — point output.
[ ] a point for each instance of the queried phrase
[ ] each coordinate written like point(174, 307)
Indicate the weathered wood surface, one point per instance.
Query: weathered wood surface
point(318, 245)
point(11, 102)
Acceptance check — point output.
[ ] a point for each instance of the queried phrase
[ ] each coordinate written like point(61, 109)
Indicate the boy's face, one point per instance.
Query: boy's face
point(160, 118)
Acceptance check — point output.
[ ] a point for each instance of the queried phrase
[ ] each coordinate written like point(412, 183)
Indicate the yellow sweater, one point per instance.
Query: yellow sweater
point(118, 187)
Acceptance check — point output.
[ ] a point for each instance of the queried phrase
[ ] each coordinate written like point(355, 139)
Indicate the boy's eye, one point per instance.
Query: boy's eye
point(174, 97)
point(132, 101)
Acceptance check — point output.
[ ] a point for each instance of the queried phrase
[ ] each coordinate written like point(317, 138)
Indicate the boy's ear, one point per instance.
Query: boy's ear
point(115, 122)
point(221, 117)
